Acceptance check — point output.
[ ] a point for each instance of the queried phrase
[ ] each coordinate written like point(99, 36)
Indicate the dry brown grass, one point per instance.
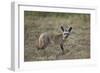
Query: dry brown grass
point(77, 46)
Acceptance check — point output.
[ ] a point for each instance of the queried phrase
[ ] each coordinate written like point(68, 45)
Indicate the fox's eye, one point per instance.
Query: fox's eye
point(65, 33)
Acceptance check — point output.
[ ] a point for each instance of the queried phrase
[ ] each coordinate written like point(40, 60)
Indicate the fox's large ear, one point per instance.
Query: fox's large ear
point(62, 28)
point(70, 29)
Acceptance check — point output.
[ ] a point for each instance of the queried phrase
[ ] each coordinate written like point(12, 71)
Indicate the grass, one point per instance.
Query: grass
point(77, 46)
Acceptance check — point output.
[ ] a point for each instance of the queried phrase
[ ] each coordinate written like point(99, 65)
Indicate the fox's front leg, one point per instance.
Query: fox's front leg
point(62, 48)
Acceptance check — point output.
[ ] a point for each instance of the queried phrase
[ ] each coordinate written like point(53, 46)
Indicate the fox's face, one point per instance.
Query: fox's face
point(66, 31)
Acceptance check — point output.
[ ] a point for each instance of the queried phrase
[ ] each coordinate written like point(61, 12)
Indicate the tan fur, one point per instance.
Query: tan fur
point(48, 38)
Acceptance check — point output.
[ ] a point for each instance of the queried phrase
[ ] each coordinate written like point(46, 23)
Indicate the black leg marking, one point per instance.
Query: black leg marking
point(61, 46)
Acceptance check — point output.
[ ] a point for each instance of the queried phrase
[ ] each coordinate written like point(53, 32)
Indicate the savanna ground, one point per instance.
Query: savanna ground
point(78, 43)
